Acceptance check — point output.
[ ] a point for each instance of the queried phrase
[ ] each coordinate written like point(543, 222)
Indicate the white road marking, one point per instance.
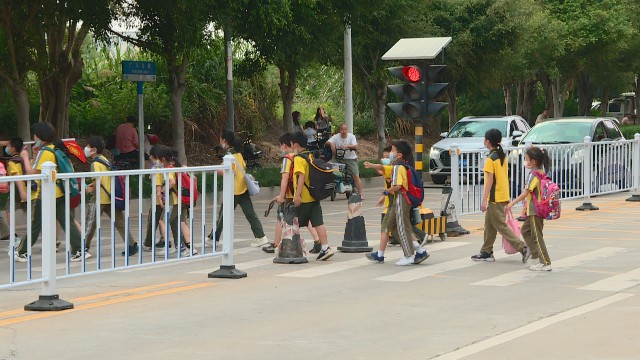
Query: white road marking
point(438, 268)
point(334, 267)
point(531, 328)
point(617, 282)
point(517, 277)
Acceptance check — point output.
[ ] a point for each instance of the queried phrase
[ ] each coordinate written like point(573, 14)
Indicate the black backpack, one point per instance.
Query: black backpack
point(321, 179)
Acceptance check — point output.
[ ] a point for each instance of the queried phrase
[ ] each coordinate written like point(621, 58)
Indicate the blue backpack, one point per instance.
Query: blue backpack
point(119, 186)
point(415, 193)
point(65, 167)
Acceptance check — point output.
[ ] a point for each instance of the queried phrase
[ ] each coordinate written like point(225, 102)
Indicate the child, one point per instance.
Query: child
point(308, 208)
point(398, 217)
point(286, 193)
point(99, 163)
point(151, 228)
point(44, 137)
point(240, 193)
point(495, 197)
point(537, 160)
point(173, 162)
point(15, 167)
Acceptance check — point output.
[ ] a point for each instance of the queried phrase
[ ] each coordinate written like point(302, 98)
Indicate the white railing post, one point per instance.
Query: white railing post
point(49, 300)
point(586, 175)
point(635, 175)
point(456, 193)
point(227, 269)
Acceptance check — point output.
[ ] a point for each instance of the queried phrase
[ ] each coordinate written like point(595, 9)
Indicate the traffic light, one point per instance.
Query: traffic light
point(418, 91)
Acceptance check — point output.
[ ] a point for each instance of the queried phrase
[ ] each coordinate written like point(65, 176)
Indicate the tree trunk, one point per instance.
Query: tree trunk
point(63, 71)
point(636, 99)
point(519, 97)
point(450, 94)
point(585, 94)
point(529, 97)
point(379, 107)
point(545, 81)
point(287, 92)
point(559, 89)
point(21, 100)
point(177, 76)
point(506, 90)
point(604, 101)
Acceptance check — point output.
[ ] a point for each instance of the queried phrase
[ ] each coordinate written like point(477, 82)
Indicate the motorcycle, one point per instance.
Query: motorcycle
point(342, 177)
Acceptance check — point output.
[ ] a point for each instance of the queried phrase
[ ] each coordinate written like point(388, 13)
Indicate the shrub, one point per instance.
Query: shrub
point(629, 131)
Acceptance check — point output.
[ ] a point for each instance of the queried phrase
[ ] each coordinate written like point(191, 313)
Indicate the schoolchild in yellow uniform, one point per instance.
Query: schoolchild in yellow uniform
point(495, 197)
point(159, 220)
point(537, 160)
point(241, 195)
point(99, 163)
point(44, 136)
point(308, 208)
point(398, 218)
point(15, 167)
point(286, 193)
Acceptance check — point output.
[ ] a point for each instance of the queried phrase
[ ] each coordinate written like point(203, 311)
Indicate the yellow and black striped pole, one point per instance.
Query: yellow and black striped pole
point(419, 147)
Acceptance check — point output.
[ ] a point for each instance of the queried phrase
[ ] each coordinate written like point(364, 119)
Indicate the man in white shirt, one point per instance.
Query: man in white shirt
point(346, 141)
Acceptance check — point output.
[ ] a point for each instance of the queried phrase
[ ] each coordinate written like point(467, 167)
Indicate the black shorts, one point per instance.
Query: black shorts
point(310, 212)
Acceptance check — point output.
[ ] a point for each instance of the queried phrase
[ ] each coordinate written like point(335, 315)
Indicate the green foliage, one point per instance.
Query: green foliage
point(629, 131)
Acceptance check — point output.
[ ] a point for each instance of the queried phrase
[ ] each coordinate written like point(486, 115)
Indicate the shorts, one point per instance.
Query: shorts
point(310, 212)
point(352, 165)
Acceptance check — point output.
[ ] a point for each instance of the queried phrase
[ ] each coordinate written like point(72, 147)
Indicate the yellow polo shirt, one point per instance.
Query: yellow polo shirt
point(105, 181)
point(301, 166)
point(44, 156)
point(499, 191)
point(15, 169)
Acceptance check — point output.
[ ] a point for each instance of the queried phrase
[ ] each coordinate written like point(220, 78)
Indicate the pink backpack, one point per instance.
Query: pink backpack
point(548, 206)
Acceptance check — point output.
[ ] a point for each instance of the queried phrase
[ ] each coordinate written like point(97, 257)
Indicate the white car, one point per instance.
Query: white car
point(468, 133)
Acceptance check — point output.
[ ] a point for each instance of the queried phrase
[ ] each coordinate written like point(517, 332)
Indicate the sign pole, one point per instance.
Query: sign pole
point(141, 123)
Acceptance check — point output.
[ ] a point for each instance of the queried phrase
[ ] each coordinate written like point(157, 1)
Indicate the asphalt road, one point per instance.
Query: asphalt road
point(347, 308)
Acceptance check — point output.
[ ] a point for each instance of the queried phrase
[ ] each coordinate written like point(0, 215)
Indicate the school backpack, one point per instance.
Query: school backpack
point(119, 195)
point(548, 206)
point(185, 190)
point(4, 186)
point(415, 193)
point(65, 167)
point(321, 179)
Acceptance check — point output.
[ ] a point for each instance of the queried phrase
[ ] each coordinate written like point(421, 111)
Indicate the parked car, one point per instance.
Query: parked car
point(610, 166)
point(468, 133)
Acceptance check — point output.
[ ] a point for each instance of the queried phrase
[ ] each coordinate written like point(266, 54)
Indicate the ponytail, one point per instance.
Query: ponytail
point(546, 160)
point(501, 153)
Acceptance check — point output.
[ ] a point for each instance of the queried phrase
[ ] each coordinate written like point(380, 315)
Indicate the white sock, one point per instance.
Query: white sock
point(325, 247)
point(380, 253)
point(418, 248)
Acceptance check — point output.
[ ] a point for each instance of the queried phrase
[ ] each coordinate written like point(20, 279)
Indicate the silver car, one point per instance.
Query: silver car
point(468, 133)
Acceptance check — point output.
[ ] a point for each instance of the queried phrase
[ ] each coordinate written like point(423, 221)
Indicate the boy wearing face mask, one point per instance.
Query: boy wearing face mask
point(99, 163)
point(385, 169)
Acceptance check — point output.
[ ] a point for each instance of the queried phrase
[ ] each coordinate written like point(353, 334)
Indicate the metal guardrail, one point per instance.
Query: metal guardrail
point(201, 218)
point(581, 170)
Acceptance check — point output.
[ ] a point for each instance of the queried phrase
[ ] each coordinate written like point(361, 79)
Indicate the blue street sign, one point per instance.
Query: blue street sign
point(138, 70)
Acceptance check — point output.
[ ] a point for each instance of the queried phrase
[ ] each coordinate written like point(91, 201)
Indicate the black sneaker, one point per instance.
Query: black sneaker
point(160, 245)
point(526, 254)
point(270, 249)
point(133, 249)
point(420, 257)
point(316, 248)
point(325, 254)
point(483, 256)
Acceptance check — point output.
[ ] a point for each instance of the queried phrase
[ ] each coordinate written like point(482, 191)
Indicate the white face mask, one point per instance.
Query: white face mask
point(385, 161)
point(88, 152)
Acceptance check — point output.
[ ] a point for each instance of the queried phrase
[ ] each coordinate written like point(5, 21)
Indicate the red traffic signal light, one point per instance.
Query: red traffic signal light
point(411, 73)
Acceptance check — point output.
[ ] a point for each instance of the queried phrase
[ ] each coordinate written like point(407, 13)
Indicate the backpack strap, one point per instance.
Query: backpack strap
point(108, 165)
point(305, 155)
point(58, 182)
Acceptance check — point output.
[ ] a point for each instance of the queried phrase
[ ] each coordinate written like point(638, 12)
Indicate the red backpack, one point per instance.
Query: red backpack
point(4, 186)
point(185, 190)
point(415, 193)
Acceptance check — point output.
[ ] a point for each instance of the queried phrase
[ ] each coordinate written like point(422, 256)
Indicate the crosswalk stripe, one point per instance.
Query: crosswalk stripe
point(519, 276)
point(437, 268)
point(350, 264)
point(617, 282)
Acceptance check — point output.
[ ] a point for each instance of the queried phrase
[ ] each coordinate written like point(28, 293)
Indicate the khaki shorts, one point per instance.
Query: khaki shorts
point(352, 165)
point(310, 212)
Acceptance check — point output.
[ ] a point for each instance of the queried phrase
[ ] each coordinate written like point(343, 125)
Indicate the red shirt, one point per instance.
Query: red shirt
point(126, 138)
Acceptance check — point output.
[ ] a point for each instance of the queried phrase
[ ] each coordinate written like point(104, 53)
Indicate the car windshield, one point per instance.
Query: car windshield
point(471, 128)
point(558, 132)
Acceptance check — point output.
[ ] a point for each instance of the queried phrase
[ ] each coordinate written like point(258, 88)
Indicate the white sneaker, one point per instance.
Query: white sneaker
point(78, 256)
point(186, 251)
point(19, 258)
point(407, 260)
point(531, 262)
point(540, 267)
point(260, 242)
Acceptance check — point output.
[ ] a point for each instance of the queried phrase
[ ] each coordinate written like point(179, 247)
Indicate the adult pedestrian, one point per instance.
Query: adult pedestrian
point(495, 197)
point(323, 123)
point(127, 141)
point(542, 116)
point(296, 116)
point(346, 142)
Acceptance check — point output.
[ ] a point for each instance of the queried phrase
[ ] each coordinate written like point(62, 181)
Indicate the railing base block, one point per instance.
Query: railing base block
point(48, 303)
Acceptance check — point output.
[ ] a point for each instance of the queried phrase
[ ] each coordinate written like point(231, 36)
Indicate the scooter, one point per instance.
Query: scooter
point(343, 179)
point(250, 152)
